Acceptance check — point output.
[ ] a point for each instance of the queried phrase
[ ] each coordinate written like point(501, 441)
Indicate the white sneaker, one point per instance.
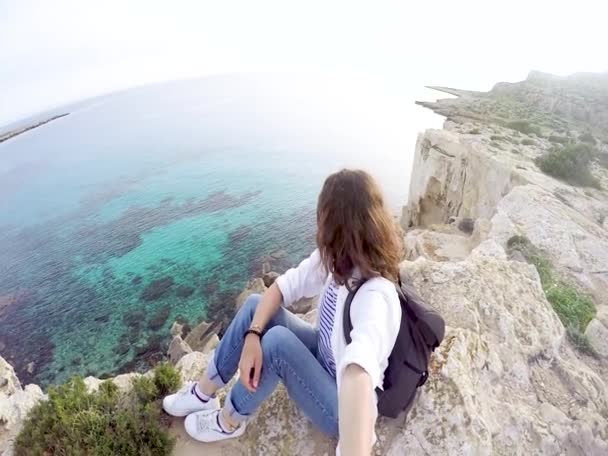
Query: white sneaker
point(185, 402)
point(205, 427)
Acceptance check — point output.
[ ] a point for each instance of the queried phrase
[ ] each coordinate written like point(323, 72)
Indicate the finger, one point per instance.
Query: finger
point(251, 377)
point(244, 377)
point(257, 372)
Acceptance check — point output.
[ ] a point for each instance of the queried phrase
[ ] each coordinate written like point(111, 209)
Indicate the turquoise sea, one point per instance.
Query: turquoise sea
point(159, 203)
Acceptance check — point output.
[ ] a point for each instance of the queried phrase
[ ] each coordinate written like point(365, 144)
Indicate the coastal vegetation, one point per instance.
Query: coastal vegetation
point(107, 421)
point(528, 142)
point(588, 138)
point(559, 139)
point(524, 126)
point(570, 163)
point(574, 309)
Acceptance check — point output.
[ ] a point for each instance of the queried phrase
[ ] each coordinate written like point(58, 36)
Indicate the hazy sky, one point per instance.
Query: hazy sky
point(52, 52)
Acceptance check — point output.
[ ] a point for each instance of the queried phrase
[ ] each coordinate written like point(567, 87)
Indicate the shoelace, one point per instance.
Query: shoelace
point(186, 389)
point(209, 422)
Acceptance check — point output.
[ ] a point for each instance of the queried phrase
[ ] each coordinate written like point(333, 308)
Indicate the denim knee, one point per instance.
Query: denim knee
point(251, 304)
point(276, 340)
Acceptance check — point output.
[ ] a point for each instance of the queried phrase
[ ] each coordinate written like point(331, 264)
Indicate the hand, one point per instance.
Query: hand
point(251, 361)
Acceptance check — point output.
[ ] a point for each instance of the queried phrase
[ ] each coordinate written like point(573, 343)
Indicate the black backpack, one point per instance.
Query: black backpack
point(422, 330)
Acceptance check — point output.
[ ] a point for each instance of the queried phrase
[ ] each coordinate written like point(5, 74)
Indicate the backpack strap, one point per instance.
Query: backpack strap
point(347, 324)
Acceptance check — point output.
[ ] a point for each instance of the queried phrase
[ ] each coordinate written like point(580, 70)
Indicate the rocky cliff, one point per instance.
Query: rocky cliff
point(509, 378)
point(482, 165)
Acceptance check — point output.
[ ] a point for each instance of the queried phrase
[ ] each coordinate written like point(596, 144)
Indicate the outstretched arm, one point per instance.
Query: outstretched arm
point(355, 411)
point(376, 317)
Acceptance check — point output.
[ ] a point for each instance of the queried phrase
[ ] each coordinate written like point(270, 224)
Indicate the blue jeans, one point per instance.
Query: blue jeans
point(289, 350)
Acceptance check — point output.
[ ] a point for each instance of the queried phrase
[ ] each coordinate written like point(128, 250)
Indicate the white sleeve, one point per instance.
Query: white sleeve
point(376, 319)
point(304, 281)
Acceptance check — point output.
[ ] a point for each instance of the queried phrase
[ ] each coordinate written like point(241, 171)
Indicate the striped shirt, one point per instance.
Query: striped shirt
point(326, 324)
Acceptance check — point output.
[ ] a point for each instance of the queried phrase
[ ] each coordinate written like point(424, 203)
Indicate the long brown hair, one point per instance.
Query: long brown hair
point(355, 229)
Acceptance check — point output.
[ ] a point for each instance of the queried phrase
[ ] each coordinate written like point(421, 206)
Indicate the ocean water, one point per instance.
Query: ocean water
point(159, 203)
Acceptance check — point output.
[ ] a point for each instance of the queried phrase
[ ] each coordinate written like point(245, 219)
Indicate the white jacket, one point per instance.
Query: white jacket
point(375, 315)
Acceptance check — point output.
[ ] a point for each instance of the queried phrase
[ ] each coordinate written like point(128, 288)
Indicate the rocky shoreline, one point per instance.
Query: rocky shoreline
point(508, 378)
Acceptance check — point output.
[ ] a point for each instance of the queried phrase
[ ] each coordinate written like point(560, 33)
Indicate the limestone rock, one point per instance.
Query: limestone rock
point(575, 244)
point(9, 383)
point(501, 377)
point(437, 244)
point(192, 365)
point(492, 249)
point(597, 334)
point(125, 381)
point(258, 286)
point(211, 344)
point(92, 383)
point(270, 277)
point(516, 255)
point(303, 305)
point(254, 286)
point(13, 410)
point(602, 315)
point(203, 337)
point(177, 329)
point(480, 231)
point(310, 317)
point(122, 381)
point(177, 349)
point(455, 178)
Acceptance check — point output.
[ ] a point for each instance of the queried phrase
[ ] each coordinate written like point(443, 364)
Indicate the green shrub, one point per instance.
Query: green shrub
point(559, 139)
point(570, 163)
point(524, 126)
point(475, 131)
point(106, 422)
point(574, 309)
point(543, 267)
point(518, 243)
point(497, 145)
point(145, 389)
point(528, 142)
point(587, 137)
point(166, 379)
point(522, 244)
point(497, 138)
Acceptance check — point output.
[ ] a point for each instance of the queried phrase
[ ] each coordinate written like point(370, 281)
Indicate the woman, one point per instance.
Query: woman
point(334, 384)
